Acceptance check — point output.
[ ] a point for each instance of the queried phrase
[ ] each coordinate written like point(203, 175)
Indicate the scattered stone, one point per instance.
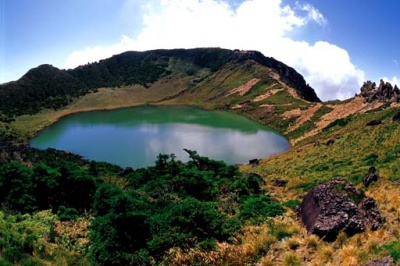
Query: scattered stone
point(396, 117)
point(330, 142)
point(337, 206)
point(126, 171)
point(370, 177)
point(279, 183)
point(385, 261)
point(254, 162)
point(374, 123)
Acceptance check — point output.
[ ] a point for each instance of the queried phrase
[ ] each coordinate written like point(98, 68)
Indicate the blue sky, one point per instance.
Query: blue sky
point(335, 45)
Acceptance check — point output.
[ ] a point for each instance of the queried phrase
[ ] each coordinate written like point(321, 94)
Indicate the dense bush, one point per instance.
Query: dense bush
point(171, 204)
point(174, 204)
point(27, 189)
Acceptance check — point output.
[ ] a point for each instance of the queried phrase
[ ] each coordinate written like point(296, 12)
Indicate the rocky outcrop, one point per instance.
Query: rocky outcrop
point(370, 177)
point(396, 117)
point(383, 93)
point(287, 74)
point(254, 162)
point(337, 206)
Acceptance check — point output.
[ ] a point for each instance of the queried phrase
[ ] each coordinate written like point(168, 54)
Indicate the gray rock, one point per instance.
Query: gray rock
point(384, 93)
point(337, 206)
point(385, 261)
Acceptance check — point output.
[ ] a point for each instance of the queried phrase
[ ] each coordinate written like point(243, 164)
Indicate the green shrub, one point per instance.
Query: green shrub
point(231, 226)
point(291, 203)
point(67, 214)
point(13, 254)
point(259, 208)
point(279, 230)
point(370, 159)
point(393, 249)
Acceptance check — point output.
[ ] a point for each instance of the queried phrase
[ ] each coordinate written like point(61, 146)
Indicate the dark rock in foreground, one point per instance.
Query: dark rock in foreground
point(396, 117)
point(337, 206)
point(374, 123)
point(279, 183)
point(370, 177)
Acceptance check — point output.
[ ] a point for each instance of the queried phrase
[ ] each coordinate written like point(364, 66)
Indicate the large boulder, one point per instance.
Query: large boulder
point(337, 206)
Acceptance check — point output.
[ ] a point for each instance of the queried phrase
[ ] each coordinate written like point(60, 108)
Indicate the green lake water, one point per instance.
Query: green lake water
point(135, 136)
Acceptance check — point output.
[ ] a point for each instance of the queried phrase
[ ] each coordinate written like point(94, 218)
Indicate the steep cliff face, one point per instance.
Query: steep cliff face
point(286, 74)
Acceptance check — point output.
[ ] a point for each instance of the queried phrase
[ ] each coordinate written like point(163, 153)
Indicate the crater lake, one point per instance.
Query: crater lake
point(135, 136)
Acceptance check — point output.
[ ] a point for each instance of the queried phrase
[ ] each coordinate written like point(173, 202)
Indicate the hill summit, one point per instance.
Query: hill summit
point(49, 87)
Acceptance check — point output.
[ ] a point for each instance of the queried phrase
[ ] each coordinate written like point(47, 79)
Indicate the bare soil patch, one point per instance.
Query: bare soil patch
point(302, 115)
point(269, 93)
point(356, 105)
point(243, 89)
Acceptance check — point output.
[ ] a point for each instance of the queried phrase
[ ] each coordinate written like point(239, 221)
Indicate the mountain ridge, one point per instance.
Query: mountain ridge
point(47, 85)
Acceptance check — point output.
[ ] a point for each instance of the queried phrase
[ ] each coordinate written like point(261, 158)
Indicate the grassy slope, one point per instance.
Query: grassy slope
point(355, 148)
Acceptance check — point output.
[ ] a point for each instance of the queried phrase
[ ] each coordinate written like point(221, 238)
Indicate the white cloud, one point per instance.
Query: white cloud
point(394, 80)
point(252, 25)
point(313, 14)
point(94, 54)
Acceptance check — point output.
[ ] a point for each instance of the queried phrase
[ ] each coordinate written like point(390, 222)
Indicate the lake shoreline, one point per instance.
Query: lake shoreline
point(45, 118)
point(136, 135)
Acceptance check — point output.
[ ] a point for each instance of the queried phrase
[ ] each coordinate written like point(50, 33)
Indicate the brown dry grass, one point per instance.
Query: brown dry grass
point(103, 99)
point(269, 93)
point(302, 115)
point(343, 110)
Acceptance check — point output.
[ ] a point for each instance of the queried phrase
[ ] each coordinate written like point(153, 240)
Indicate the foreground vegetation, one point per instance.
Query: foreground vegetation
point(135, 219)
point(57, 209)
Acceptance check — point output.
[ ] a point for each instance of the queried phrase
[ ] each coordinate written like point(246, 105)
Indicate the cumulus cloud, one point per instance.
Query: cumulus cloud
point(312, 14)
point(251, 25)
point(94, 54)
point(394, 80)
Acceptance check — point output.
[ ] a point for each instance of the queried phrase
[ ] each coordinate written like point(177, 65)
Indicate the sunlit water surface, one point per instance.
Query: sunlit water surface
point(135, 136)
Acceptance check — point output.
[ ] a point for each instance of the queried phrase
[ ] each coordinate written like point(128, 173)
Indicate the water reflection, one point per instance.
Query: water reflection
point(135, 136)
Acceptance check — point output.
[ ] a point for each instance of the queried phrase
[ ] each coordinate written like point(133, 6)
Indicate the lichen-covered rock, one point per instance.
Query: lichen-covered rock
point(337, 206)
